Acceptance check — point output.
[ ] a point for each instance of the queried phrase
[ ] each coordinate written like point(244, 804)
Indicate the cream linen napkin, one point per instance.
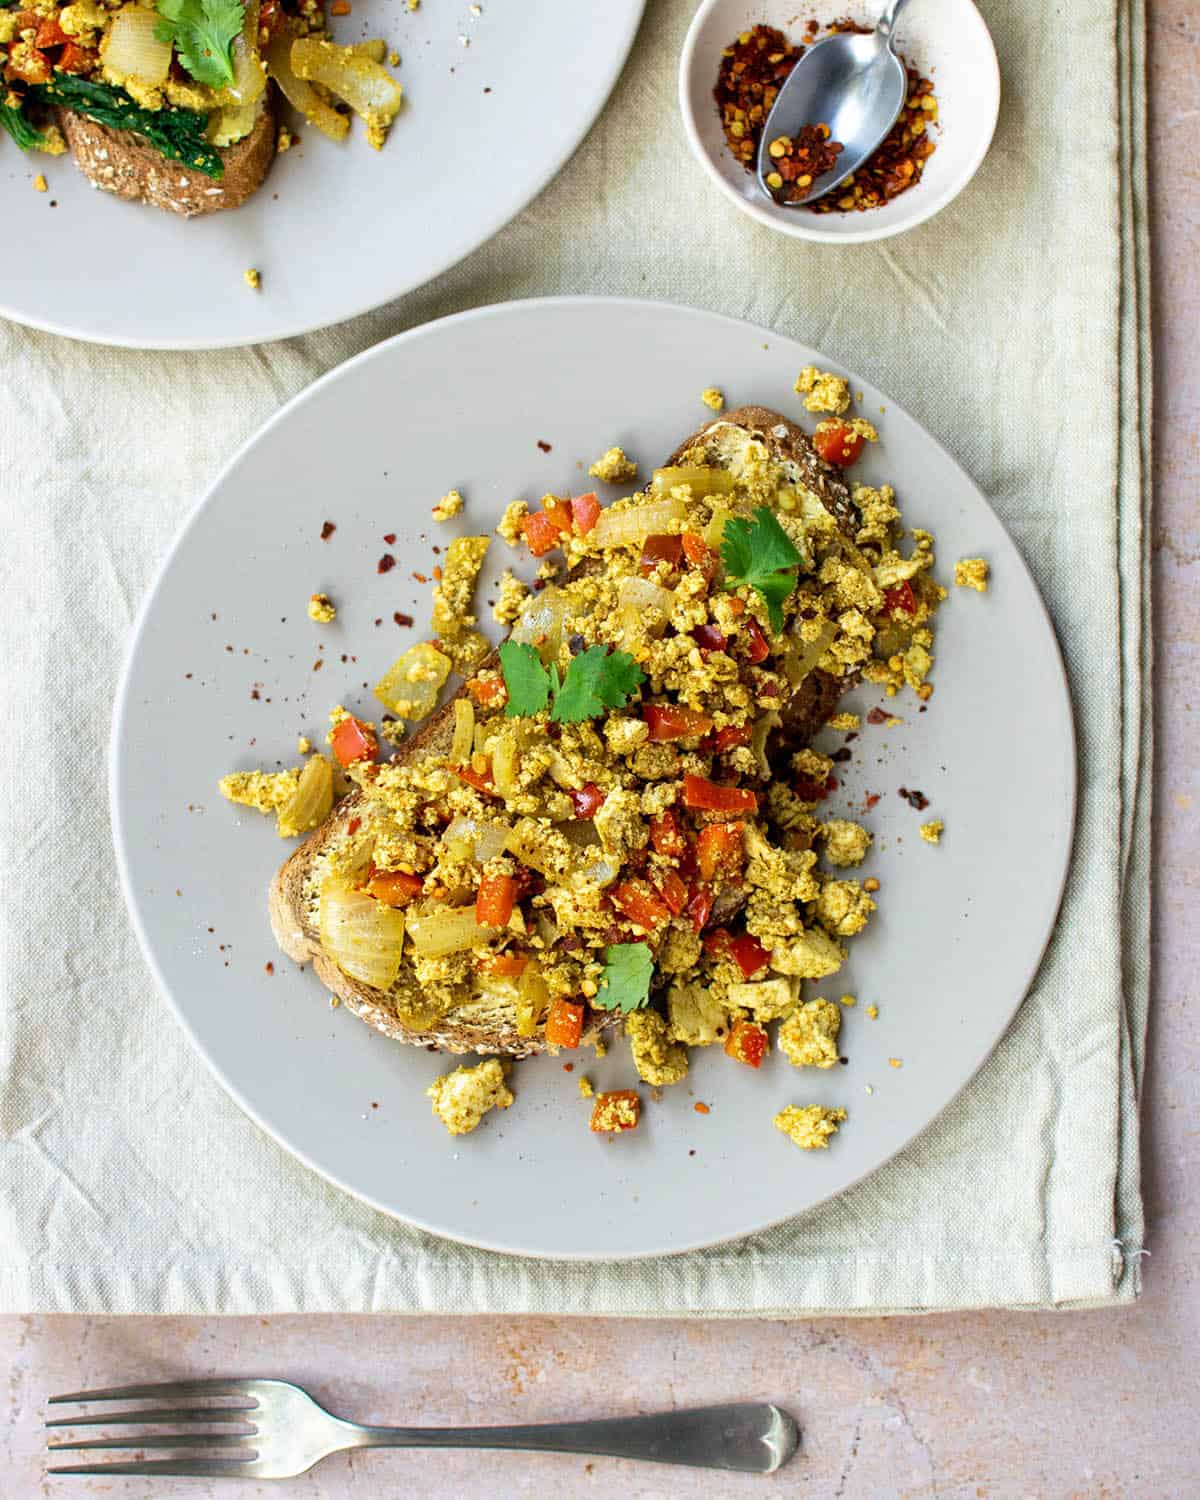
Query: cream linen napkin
point(1014, 325)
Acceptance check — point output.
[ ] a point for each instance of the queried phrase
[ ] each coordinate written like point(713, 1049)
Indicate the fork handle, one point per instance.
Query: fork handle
point(753, 1438)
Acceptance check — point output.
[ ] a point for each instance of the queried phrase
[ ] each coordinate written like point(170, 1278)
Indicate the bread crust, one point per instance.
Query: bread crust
point(120, 162)
point(811, 706)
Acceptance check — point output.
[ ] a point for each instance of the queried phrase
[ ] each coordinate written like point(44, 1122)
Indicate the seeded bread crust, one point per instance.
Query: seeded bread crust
point(288, 899)
point(120, 162)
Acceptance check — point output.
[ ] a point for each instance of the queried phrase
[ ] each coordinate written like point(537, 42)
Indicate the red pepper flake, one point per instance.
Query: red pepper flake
point(877, 716)
point(269, 967)
point(701, 1109)
point(390, 538)
point(872, 800)
point(915, 799)
point(353, 826)
point(386, 563)
point(437, 573)
point(404, 621)
point(420, 577)
point(318, 664)
point(326, 532)
point(543, 445)
point(568, 1067)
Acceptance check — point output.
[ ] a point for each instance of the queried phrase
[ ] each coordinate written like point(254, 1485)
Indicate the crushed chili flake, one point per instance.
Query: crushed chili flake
point(404, 621)
point(326, 532)
point(318, 664)
point(877, 716)
point(872, 800)
point(543, 445)
point(752, 71)
point(269, 967)
point(701, 1109)
point(915, 799)
point(420, 577)
point(390, 538)
point(386, 563)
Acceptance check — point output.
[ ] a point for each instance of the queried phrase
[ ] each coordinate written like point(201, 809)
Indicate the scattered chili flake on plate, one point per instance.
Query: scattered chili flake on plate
point(326, 532)
point(386, 563)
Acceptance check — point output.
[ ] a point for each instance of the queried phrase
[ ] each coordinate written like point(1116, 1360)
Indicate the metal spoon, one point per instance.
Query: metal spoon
point(854, 84)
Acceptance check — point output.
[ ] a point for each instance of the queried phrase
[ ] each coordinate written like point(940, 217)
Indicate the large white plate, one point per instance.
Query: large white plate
point(337, 229)
point(469, 402)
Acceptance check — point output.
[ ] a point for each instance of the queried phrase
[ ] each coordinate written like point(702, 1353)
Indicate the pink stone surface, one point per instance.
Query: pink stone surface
point(991, 1405)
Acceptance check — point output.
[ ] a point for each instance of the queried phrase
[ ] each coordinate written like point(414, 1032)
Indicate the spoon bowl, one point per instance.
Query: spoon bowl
point(852, 83)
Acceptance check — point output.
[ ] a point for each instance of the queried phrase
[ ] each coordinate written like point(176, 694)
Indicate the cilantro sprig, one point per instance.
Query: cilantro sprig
point(597, 679)
point(625, 986)
point(202, 32)
point(760, 554)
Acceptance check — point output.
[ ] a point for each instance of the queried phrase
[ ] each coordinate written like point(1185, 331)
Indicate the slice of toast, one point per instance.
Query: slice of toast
point(475, 1028)
point(120, 162)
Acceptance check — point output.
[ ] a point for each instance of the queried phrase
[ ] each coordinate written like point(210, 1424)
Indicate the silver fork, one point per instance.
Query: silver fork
point(282, 1432)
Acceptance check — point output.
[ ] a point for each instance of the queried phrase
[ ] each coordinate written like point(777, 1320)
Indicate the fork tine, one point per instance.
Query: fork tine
point(209, 1414)
point(165, 1440)
point(167, 1391)
point(210, 1468)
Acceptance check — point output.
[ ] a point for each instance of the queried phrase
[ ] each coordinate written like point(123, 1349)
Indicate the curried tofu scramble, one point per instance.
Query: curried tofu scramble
point(621, 822)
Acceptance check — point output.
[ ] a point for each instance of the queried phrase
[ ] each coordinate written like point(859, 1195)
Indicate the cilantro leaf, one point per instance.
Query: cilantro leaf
point(596, 679)
point(759, 553)
point(203, 32)
point(626, 982)
point(527, 681)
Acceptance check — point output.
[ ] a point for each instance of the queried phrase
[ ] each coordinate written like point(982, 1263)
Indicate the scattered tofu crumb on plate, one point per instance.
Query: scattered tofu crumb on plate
point(837, 887)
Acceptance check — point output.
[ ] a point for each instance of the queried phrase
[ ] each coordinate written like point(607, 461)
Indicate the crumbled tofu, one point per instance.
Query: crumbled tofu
point(619, 824)
point(586, 1090)
point(321, 609)
point(303, 745)
point(510, 529)
point(822, 391)
point(463, 1097)
point(845, 722)
point(695, 1016)
point(449, 505)
point(713, 398)
point(510, 600)
point(658, 1060)
point(848, 1000)
point(843, 907)
point(40, 185)
point(808, 1038)
point(811, 953)
point(264, 791)
point(766, 999)
point(809, 1126)
point(873, 1012)
point(971, 573)
point(284, 140)
point(453, 595)
point(614, 468)
point(623, 733)
point(846, 843)
point(616, 1112)
point(252, 277)
point(932, 831)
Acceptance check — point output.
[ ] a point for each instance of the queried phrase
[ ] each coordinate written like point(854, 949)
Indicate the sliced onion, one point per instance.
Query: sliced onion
point(641, 593)
point(483, 841)
point(625, 528)
point(701, 481)
point(447, 929)
point(798, 663)
point(758, 739)
point(249, 71)
point(301, 95)
point(411, 685)
point(362, 936)
point(541, 623)
point(369, 89)
point(232, 122)
point(715, 529)
point(376, 49)
point(464, 731)
point(505, 755)
point(133, 50)
point(310, 803)
point(533, 1000)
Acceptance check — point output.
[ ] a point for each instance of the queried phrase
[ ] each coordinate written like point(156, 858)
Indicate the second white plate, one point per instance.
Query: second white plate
point(226, 670)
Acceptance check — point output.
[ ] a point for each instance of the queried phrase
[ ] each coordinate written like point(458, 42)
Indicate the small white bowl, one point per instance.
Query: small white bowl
point(947, 40)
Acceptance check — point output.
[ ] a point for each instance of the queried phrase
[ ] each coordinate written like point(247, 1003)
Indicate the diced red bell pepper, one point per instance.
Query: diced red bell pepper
point(699, 908)
point(507, 965)
point(481, 780)
point(353, 740)
point(666, 837)
point(728, 738)
point(838, 445)
point(716, 941)
point(76, 59)
point(541, 533)
point(747, 1043)
point(660, 549)
point(50, 34)
point(564, 1023)
point(640, 903)
point(669, 721)
point(616, 1111)
point(749, 954)
point(720, 850)
point(900, 599)
point(709, 638)
point(30, 66)
point(585, 512)
point(758, 648)
point(560, 513)
point(707, 796)
point(699, 553)
point(673, 891)
point(394, 887)
point(495, 900)
point(487, 691)
point(587, 800)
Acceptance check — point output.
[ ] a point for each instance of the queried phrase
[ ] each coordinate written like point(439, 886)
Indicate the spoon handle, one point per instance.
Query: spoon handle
point(887, 21)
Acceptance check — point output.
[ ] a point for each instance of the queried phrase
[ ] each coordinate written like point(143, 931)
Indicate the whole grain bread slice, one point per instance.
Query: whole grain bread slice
point(290, 901)
point(121, 162)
